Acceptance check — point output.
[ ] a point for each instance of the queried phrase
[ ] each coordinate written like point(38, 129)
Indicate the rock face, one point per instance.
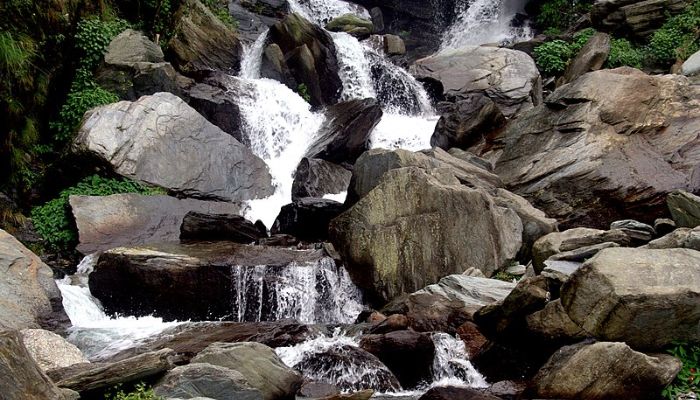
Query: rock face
point(50, 350)
point(259, 365)
point(685, 208)
point(315, 178)
point(590, 58)
point(307, 218)
point(466, 122)
point(202, 43)
point(29, 297)
point(416, 227)
point(308, 53)
point(604, 370)
point(162, 141)
point(508, 77)
point(106, 222)
point(408, 354)
point(605, 147)
point(181, 282)
point(229, 227)
point(344, 136)
point(205, 381)
point(636, 17)
point(646, 298)
point(454, 300)
point(22, 379)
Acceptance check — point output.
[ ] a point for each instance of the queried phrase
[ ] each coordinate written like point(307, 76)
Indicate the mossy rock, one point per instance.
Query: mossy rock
point(348, 23)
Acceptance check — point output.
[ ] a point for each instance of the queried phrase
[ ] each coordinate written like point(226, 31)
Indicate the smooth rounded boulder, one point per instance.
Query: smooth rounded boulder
point(205, 380)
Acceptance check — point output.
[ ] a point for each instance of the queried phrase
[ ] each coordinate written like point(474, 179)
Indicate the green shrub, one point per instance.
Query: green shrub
point(53, 220)
point(552, 57)
point(87, 96)
point(580, 39)
point(303, 91)
point(678, 38)
point(93, 37)
point(688, 379)
point(141, 392)
point(220, 9)
point(624, 53)
point(559, 15)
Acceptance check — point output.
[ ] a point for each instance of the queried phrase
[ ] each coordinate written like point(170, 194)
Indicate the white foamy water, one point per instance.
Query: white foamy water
point(399, 131)
point(322, 11)
point(485, 21)
point(354, 68)
point(339, 197)
point(451, 366)
point(252, 57)
point(319, 292)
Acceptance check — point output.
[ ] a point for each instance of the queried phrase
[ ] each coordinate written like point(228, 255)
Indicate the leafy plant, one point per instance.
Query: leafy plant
point(624, 53)
point(303, 91)
point(678, 37)
point(220, 9)
point(88, 96)
point(580, 39)
point(93, 37)
point(552, 57)
point(688, 379)
point(141, 392)
point(53, 220)
point(504, 276)
point(560, 14)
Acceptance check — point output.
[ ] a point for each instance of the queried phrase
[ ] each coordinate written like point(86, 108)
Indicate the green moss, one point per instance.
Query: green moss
point(678, 38)
point(624, 53)
point(552, 57)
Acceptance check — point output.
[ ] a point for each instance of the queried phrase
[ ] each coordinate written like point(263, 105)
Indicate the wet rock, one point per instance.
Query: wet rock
point(508, 77)
point(29, 295)
point(308, 53)
point(182, 281)
point(50, 350)
point(307, 218)
point(685, 208)
point(106, 222)
point(258, 364)
point(394, 45)
point(281, 240)
point(22, 379)
point(646, 298)
point(225, 227)
point(345, 134)
point(162, 141)
point(466, 122)
point(591, 57)
point(352, 24)
point(408, 354)
point(572, 239)
point(202, 43)
point(639, 18)
point(604, 371)
point(215, 100)
point(572, 158)
point(205, 380)
point(448, 304)
point(451, 393)
point(394, 322)
point(315, 178)
point(462, 227)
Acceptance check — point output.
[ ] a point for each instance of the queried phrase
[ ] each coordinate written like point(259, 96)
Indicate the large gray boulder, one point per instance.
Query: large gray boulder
point(637, 17)
point(106, 222)
point(50, 350)
point(259, 365)
point(29, 297)
point(600, 139)
point(416, 227)
point(452, 301)
point(604, 370)
point(646, 298)
point(508, 77)
point(22, 379)
point(162, 141)
point(205, 380)
point(316, 178)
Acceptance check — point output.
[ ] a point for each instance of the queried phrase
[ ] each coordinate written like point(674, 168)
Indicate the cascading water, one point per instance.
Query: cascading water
point(322, 11)
point(354, 68)
point(486, 21)
point(451, 366)
point(319, 292)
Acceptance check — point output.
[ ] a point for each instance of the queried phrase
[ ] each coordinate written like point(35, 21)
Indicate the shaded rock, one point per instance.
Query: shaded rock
point(106, 222)
point(182, 282)
point(581, 254)
point(345, 134)
point(408, 354)
point(640, 233)
point(685, 208)
point(205, 380)
point(572, 239)
point(316, 178)
point(202, 43)
point(227, 227)
point(474, 340)
point(591, 57)
point(258, 364)
point(560, 271)
point(162, 141)
point(133, 80)
point(664, 226)
point(508, 77)
point(553, 325)
point(639, 18)
point(508, 390)
point(22, 379)
point(599, 150)
point(646, 298)
point(466, 122)
point(307, 218)
point(50, 350)
point(461, 226)
point(84, 378)
point(604, 371)
point(680, 238)
point(451, 393)
point(29, 297)
point(516, 361)
point(394, 322)
point(281, 240)
point(216, 102)
point(394, 45)
point(448, 304)
point(308, 53)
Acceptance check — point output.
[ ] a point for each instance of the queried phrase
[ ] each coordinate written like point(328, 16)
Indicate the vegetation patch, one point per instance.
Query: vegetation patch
point(688, 379)
point(140, 392)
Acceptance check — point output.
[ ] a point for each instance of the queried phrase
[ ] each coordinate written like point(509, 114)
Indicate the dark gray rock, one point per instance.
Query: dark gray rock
point(466, 122)
point(451, 393)
point(635, 17)
point(205, 380)
point(408, 354)
point(316, 178)
point(226, 227)
point(307, 218)
point(591, 57)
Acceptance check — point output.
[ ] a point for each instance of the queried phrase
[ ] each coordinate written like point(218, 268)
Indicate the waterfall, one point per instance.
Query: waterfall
point(354, 68)
point(311, 293)
point(252, 57)
point(451, 366)
point(322, 11)
point(485, 21)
